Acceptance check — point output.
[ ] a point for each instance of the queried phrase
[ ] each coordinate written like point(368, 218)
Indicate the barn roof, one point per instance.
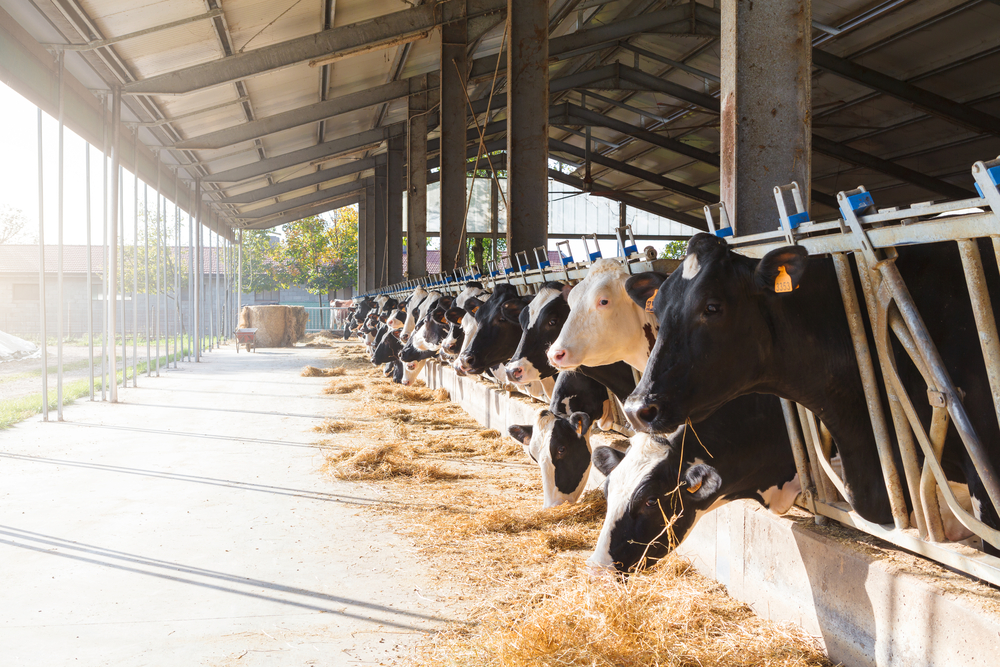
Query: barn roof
point(246, 96)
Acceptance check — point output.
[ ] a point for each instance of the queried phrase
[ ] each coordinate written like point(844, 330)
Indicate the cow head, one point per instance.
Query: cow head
point(541, 323)
point(497, 332)
point(654, 499)
point(717, 331)
point(561, 448)
point(604, 325)
point(388, 349)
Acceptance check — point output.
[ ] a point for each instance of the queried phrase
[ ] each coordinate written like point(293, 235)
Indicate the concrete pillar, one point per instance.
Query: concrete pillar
point(370, 237)
point(477, 252)
point(416, 186)
point(766, 102)
point(527, 125)
point(379, 230)
point(453, 127)
point(362, 244)
point(394, 210)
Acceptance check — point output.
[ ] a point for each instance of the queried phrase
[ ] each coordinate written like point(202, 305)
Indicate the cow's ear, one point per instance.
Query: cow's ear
point(396, 333)
point(580, 421)
point(441, 316)
point(703, 481)
point(642, 288)
point(455, 315)
point(566, 290)
point(521, 433)
point(472, 305)
point(511, 310)
point(781, 269)
point(606, 459)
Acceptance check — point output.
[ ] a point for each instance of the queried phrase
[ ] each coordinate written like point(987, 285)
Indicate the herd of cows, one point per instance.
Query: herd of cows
point(699, 359)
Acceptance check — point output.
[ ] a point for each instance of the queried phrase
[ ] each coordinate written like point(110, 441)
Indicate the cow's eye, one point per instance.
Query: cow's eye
point(560, 451)
point(552, 322)
point(651, 501)
point(713, 309)
point(602, 302)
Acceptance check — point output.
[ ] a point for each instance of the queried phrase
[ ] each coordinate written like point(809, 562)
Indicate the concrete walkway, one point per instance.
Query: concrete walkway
point(189, 525)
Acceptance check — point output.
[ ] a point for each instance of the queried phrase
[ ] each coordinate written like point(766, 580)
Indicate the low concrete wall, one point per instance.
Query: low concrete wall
point(870, 604)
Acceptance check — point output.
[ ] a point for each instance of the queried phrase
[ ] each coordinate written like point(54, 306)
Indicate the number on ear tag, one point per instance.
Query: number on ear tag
point(783, 282)
point(649, 301)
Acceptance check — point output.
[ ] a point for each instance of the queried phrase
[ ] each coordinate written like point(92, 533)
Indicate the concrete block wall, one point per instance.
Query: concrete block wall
point(870, 606)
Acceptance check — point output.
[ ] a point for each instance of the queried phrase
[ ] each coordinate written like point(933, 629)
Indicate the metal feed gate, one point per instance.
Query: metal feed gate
point(871, 235)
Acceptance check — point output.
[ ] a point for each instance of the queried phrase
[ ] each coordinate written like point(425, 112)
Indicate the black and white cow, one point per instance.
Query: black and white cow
point(541, 323)
point(725, 332)
point(497, 332)
point(741, 451)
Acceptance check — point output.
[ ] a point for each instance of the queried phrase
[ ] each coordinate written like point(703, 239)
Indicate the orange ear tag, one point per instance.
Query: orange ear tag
point(783, 282)
point(693, 488)
point(649, 301)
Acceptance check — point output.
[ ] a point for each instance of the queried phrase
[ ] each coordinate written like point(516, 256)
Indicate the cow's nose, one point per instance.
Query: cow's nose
point(641, 412)
point(558, 355)
point(515, 373)
point(468, 362)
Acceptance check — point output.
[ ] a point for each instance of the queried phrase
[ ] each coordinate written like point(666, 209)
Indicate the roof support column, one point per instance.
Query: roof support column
point(766, 101)
point(527, 126)
point(454, 121)
point(381, 233)
point(370, 280)
point(416, 192)
point(394, 210)
point(362, 282)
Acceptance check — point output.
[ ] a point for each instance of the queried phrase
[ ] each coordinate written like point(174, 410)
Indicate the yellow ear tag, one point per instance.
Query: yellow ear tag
point(649, 301)
point(783, 282)
point(692, 489)
point(579, 429)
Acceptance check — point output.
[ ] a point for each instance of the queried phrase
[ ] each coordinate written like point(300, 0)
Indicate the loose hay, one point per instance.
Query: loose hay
point(312, 371)
point(342, 387)
point(333, 426)
point(382, 462)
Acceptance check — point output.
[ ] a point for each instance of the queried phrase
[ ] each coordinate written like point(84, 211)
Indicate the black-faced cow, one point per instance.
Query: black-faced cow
point(498, 330)
point(541, 323)
point(742, 451)
point(725, 333)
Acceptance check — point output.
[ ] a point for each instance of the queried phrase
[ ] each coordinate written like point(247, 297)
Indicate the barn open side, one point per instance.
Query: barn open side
point(188, 525)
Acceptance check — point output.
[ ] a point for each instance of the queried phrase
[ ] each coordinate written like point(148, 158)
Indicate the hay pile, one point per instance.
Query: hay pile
point(312, 371)
point(322, 339)
point(277, 326)
point(520, 569)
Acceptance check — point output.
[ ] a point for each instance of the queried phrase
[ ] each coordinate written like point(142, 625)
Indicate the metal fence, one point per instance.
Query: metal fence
point(323, 318)
point(870, 235)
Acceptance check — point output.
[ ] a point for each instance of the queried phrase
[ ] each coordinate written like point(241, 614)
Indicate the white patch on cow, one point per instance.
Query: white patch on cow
point(411, 371)
point(599, 336)
point(691, 267)
point(607, 419)
point(528, 371)
point(545, 295)
point(780, 500)
point(541, 451)
point(417, 297)
point(380, 301)
point(643, 455)
point(467, 293)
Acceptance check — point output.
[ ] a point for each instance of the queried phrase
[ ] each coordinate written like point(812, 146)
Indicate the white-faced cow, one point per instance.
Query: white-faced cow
point(725, 332)
point(604, 324)
point(541, 323)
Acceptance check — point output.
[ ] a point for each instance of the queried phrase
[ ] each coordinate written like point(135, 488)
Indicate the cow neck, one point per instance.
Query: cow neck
point(643, 340)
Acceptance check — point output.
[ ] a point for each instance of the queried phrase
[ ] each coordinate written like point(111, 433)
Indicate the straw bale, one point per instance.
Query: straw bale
point(277, 326)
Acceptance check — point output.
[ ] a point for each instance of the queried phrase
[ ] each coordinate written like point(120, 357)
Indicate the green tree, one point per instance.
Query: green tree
point(674, 250)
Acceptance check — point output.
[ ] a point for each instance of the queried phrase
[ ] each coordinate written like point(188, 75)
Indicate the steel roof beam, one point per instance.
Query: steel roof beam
point(670, 184)
point(932, 103)
point(324, 151)
point(298, 202)
point(633, 201)
point(315, 178)
point(292, 216)
point(363, 36)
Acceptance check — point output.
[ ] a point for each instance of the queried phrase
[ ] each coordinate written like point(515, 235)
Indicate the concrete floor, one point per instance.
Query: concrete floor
point(189, 525)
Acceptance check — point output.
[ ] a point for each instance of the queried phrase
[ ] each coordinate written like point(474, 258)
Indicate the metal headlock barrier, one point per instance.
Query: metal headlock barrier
point(871, 235)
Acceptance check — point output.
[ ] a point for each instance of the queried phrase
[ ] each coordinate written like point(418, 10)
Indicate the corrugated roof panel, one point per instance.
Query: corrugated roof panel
point(254, 24)
point(284, 90)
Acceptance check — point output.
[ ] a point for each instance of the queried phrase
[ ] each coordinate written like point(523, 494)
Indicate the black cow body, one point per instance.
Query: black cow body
point(724, 332)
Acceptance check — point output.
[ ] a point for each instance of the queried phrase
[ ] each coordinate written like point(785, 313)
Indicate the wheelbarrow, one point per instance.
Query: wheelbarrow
point(246, 337)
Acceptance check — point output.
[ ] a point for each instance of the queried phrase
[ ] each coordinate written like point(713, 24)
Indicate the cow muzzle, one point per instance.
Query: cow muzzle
point(643, 412)
point(515, 373)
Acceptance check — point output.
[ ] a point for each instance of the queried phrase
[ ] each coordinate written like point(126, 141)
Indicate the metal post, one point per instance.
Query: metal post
point(527, 126)
point(135, 259)
point(213, 305)
point(394, 209)
point(362, 243)
point(121, 263)
point(239, 280)
point(145, 282)
point(41, 275)
point(112, 233)
point(190, 266)
point(766, 107)
point(90, 276)
point(371, 276)
point(494, 218)
point(454, 122)
point(159, 258)
point(104, 254)
point(380, 238)
point(416, 193)
point(60, 296)
point(196, 261)
point(178, 319)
